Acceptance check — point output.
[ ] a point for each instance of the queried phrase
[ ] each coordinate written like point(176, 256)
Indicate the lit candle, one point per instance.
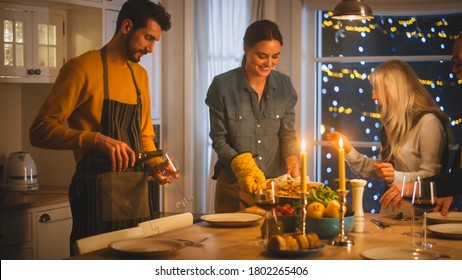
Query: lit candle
point(303, 166)
point(341, 166)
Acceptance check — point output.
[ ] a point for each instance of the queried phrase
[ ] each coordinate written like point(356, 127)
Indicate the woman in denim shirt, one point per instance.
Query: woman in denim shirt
point(252, 120)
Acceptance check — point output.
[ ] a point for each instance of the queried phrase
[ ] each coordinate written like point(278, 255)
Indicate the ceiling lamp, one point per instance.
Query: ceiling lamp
point(352, 10)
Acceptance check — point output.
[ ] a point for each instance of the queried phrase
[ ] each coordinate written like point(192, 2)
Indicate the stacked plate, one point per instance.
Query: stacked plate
point(449, 226)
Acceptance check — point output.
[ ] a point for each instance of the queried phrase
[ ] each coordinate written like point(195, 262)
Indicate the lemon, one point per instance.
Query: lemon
point(315, 210)
point(332, 209)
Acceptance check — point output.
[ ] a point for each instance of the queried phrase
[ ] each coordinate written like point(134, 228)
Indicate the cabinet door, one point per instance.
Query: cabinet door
point(32, 43)
point(48, 38)
point(16, 34)
point(53, 232)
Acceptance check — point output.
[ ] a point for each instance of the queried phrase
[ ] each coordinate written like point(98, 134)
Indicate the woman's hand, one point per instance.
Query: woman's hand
point(333, 138)
point(386, 171)
point(392, 197)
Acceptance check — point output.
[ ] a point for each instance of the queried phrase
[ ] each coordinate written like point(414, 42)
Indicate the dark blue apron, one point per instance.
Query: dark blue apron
point(120, 121)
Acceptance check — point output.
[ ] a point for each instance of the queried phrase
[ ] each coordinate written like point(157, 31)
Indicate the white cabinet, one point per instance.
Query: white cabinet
point(53, 231)
point(32, 43)
point(39, 233)
point(115, 2)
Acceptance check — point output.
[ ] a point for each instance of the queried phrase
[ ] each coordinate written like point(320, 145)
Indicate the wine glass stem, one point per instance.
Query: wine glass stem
point(412, 221)
point(267, 225)
point(424, 243)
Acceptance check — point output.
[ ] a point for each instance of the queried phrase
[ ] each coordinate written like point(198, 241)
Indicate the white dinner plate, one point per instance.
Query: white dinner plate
point(147, 246)
point(451, 217)
point(399, 253)
point(231, 219)
point(447, 230)
point(293, 253)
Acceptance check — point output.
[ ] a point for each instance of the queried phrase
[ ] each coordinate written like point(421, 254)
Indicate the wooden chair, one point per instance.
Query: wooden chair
point(100, 241)
point(164, 224)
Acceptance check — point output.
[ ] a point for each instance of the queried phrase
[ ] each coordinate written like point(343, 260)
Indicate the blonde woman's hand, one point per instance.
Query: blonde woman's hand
point(386, 171)
point(392, 197)
point(333, 138)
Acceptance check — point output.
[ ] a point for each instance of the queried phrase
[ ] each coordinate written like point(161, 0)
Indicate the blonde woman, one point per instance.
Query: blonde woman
point(414, 129)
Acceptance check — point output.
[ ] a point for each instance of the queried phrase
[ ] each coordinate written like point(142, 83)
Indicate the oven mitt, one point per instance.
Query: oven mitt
point(247, 172)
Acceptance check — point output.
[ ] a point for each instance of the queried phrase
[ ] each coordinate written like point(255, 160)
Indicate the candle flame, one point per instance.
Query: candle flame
point(340, 142)
point(303, 145)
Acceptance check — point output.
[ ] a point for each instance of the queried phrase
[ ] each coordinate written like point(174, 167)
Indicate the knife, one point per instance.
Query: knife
point(381, 224)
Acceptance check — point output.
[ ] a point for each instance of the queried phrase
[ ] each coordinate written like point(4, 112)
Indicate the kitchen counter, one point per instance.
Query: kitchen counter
point(11, 201)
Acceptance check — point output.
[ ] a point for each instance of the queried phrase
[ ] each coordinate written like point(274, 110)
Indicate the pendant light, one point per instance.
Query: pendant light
point(352, 10)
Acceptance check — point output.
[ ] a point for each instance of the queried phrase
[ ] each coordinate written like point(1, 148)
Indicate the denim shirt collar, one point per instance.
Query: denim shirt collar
point(243, 83)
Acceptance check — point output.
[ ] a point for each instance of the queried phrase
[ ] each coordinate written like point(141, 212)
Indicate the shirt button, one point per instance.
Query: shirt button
point(259, 141)
point(258, 125)
point(277, 116)
point(260, 158)
point(240, 117)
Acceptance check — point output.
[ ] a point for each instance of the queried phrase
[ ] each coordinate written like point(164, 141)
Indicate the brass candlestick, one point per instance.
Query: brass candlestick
point(342, 239)
point(303, 204)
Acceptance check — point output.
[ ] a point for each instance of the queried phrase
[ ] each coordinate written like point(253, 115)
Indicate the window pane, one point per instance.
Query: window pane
point(19, 55)
point(389, 35)
point(8, 31)
point(19, 29)
point(8, 54)
point(52, 35)
point(42, 56)
point(42, 34)
point(52, 57)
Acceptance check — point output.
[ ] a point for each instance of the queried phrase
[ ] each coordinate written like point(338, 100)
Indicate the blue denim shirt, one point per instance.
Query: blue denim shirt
point(240, 123)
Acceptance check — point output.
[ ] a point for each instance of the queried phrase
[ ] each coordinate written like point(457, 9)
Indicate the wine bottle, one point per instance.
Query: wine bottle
point(142, 157)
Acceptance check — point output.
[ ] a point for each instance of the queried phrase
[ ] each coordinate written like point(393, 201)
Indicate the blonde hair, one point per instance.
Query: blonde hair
point(403, 98)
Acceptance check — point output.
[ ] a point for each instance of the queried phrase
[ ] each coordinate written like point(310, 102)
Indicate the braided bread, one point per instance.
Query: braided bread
point(294, 242)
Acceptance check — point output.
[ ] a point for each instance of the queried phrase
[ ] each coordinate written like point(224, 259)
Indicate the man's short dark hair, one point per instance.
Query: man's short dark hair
point(140, 11)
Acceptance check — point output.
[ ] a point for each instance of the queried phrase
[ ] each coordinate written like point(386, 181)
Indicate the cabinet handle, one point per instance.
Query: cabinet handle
point(37, 72)
point(44, 218)
point(30, 71)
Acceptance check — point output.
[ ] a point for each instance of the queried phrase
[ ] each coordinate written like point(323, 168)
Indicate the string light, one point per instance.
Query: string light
point(437, 32)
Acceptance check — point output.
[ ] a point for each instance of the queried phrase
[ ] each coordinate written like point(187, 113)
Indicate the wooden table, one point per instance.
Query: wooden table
point(245, 244)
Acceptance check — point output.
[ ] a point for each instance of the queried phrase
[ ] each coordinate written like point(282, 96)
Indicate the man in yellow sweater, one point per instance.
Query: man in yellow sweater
point(103, 95)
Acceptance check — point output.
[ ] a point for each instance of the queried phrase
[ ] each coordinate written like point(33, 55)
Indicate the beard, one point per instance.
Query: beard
point(129, 51)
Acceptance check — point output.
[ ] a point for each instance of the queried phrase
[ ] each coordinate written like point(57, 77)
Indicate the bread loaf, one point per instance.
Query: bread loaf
point(294, 242)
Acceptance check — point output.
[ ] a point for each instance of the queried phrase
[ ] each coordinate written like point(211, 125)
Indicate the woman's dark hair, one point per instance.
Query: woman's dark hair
point(262, 30)
point(140, 11)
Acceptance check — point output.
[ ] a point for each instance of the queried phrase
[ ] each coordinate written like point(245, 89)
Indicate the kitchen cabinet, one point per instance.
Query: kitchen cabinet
point(37, 233)
point(32, 47)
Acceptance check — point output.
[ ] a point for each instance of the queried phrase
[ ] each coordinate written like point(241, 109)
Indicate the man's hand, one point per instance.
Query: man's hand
point(443, 204)
point(119, 153)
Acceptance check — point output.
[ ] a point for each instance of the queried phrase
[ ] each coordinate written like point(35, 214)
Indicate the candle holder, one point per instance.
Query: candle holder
point(342, 239)
point(303, 204)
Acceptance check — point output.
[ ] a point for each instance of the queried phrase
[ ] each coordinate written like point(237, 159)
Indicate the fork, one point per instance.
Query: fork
point(192, 243)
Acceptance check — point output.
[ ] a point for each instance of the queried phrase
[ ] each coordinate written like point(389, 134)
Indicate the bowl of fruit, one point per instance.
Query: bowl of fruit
point(323, 216)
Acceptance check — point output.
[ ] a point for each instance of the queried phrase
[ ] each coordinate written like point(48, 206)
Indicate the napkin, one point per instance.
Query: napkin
point(164, 224)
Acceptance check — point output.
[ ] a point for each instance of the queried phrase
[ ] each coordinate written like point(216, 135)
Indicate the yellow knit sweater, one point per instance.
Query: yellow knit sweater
point(77, 97)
